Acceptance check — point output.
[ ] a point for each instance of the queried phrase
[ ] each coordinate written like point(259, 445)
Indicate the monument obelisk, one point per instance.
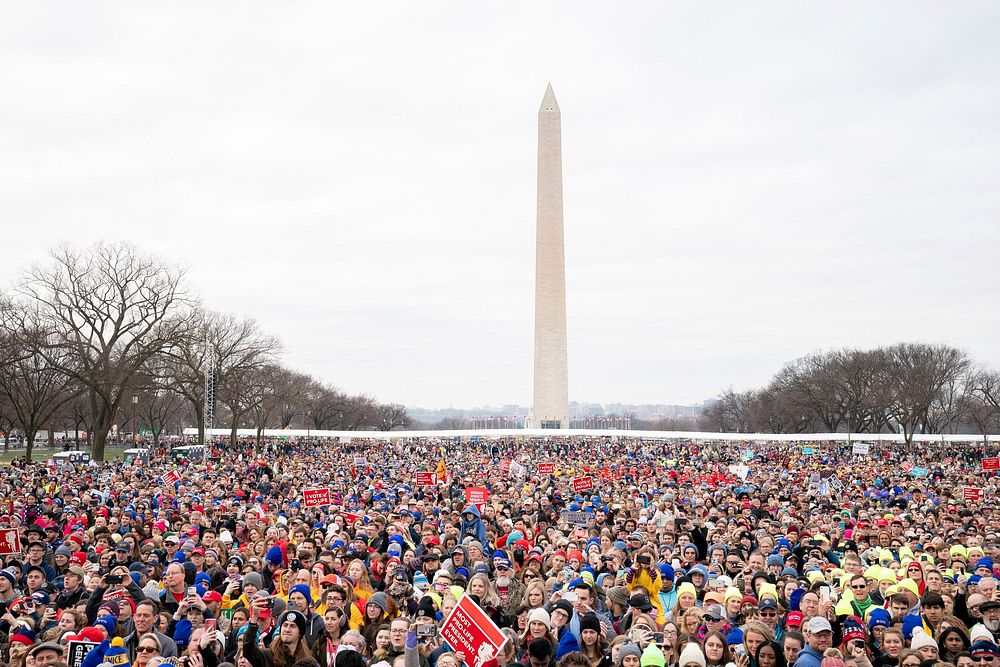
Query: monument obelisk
point(551, 400)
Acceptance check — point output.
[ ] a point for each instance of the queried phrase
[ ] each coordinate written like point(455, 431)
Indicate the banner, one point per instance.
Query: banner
point(972, 493)
point(316, 497)
point(991, 463)
point(76, 651)
point(360, 462)
point(350, 518)
point(424, 478)
point(860, 447)
point(10, 543)
point(470, 631)
point(546, 468)
point(517, 470)
point(171, 477)
point(477, 496)
point(583, 483)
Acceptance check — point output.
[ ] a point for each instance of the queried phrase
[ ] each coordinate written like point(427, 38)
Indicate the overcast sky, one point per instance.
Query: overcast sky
point(744, 183)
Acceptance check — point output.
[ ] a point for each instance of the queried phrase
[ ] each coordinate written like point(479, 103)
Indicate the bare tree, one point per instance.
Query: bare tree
point(391, 416)
point(242, 353)
point(107, 310)
point(918, 374)
point(32, 382)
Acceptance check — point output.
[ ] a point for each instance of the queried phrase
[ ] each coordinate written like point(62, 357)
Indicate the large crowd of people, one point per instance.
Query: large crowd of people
point(682, 554)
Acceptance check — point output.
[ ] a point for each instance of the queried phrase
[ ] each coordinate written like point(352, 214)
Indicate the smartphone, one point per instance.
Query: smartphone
point(192, 590)
point(210, 624)
point(113, 579)
point(569, 596)
point(270, 602)
point(426, 630)
point(643, 559)
point(739, 649)
point(657, 638)
point(824, 593)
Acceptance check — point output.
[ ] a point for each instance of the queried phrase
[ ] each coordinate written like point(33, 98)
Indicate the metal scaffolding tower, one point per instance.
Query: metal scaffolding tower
point(211, 381)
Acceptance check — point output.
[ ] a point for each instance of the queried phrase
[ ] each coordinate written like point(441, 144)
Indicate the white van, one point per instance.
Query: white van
point(137, 456)
point(72, 456)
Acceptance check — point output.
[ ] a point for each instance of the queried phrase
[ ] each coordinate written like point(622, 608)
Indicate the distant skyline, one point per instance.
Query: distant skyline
point(743, 184)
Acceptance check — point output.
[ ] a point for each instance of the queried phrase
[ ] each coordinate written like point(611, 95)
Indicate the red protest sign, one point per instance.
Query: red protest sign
point(991, 463)
point(972, 493)
point(470, 631)
point(546, 468)
point(10, 543)
point(316, 497)
point(425, 478)
point(171, 477)
point(583, 483)
point(505, 467)
point(476, 495)
point(350, 518)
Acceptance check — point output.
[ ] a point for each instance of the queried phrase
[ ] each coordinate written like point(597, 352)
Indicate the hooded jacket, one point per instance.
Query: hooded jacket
point(474, 528)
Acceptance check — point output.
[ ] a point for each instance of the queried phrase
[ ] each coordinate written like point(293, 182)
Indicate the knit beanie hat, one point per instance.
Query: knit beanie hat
point(254, 579)
point(304, 589)
point(116, 655)
point(108, 623)
point(652, 656)
point(626, 650)
point(23, 636)
point(295, 617)
point(182, 632)
point(539, 614)
point(589, 621)
point(687, 587)
point(379, 600)
point(921, 639)
point(274, 555)
point(878, 618)
point(691, 654)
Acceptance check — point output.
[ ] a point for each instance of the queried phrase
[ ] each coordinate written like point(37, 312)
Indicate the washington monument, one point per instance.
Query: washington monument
point(551, 402)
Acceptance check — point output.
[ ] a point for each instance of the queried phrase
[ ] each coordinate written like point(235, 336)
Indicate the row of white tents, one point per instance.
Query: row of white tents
point(496, 434)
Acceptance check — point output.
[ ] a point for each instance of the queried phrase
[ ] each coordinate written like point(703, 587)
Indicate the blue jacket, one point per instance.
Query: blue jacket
point(474, 528)
point(808, 658)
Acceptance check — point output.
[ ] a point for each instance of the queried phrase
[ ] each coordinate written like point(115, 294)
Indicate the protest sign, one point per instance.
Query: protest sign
point(860, 448)
point(316, 497)
point(470, 631)
point(741, 471)
point(477, 496)
point(424, 478)
point(10, 542)
point(76, 651)
point(991, 463)
point(172, 477)
point(583, 483)
point(517, 470)
point(972, 493)
point(360, 462)
point(576, 518)
point(546, 468)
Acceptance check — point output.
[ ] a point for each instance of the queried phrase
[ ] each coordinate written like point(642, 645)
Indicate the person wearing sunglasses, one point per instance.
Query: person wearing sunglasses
point(148, 648)
point(984, 652)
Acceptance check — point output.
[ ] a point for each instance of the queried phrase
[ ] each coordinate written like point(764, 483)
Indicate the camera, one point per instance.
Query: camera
point(643, 559)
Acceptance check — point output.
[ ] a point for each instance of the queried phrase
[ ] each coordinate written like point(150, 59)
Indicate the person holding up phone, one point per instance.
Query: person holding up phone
point(642, 575)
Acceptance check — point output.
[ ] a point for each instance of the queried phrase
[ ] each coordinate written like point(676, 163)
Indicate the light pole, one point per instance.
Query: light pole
point(135, 421)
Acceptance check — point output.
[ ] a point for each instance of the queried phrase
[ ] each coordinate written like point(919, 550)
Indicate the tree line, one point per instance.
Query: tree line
point(906, 388)
point(108, 337)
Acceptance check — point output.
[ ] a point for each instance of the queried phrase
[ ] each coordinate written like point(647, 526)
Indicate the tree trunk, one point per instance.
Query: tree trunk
point(29, 442)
